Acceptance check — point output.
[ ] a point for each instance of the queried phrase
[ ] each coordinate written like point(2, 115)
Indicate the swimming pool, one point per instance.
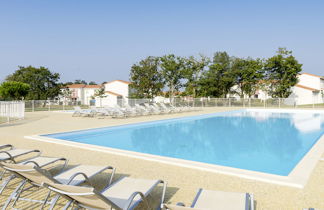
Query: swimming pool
point(258, 140)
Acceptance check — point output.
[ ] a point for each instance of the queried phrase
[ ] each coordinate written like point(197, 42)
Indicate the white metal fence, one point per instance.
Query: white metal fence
point(56, 105)
point(11, 110)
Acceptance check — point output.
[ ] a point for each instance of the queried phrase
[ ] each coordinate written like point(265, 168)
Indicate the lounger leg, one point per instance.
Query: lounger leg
point(163, 194)
point(67, 205)
point(5, 183)
point(19, 193)
point(13, 195)
point(2, 174)
point(53, 203)
point(46, 199)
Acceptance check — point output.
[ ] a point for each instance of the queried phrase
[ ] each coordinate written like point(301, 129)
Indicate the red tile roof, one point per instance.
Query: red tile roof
point(76, 86)
point(112, 93)
point(307, 88)
point(312, 75)
point(92, 86)
point(118, 80)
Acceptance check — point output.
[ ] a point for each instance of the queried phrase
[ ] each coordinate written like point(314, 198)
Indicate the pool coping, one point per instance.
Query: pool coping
point(297, 178)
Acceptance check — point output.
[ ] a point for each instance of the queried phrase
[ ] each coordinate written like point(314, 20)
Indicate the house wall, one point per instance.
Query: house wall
point(110, 100)
point(88, 93)
point(117, 87)
point(310, 81)
point(302, 96)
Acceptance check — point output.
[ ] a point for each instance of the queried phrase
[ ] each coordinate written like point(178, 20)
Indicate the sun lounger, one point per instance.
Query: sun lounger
point(12, 153)
point(124, 194)
point(35, 176)
point(212, 200)
point(40, 161)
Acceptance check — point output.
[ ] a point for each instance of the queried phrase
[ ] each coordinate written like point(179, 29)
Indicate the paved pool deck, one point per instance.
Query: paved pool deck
point(183, 182)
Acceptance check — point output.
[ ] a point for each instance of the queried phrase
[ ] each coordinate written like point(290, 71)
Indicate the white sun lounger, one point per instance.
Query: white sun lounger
point(12, 153)
point(40, 161)
point(35, 176)
point(124, 194)
point(214, 200)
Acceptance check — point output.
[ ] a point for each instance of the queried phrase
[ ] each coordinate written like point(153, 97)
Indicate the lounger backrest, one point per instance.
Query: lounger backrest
point(29, 171)
point(85, 196)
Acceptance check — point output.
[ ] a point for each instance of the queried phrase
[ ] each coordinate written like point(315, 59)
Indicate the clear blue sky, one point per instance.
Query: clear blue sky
point(100, 40)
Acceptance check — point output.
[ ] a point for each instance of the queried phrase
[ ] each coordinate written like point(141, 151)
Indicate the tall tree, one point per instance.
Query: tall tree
point(220, 77)
point(14, 90)
point(282, 70)
point(92, 83)
point(146, 79)
point(173, 72)
point(194, 69)
point(43, 83)
point(248, 73)
point(79, 81)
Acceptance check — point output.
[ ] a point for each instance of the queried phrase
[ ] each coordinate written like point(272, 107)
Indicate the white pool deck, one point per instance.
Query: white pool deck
point(298, 177)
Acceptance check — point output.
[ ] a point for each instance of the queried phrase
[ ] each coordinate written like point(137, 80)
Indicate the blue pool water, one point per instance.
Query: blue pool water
point(257, 140)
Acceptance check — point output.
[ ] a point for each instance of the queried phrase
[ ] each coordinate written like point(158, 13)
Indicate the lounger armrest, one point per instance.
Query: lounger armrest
point(6, 146)
point(31, 161)
point(131, 198)
point(9, 155)
point(77, 174)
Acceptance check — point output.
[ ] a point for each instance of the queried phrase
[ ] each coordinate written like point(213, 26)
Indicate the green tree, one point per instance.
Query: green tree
point(220, 77)
point(194, 69)
point(100, 93)
point(146, 79)
point(248, 73)
point(282, 71)
point(92, 83)
point(172, 68)
point(43, 83)
point(78, 81)
point(14, 90)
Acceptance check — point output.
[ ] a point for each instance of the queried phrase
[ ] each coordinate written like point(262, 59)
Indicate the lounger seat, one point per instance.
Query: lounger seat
point(211, 199)
point(42, 161)
point(123, 194)
point(88, 170)
point(35, 175)
point(221, 200)
point(120, 192)
point(14, 153)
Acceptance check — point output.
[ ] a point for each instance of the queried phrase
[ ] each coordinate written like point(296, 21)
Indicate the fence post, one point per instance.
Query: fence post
point(49, 105)
point(279, 102)
point(8, 112)
point(33, 106)
point(264, 103)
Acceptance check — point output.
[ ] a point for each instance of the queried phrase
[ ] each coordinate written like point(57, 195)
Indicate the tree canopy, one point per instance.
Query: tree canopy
point(12, 90)
point(43, 83)
point(282, 70)
point(146, 78)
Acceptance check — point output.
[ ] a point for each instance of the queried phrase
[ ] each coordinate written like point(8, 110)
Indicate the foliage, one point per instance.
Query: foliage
point(100, 93)
point(172, 69)
point(146, 78)
point(78, 81)
point(282, 70)
point(43, 83)
point(220, 77)
point(194, 69)
point(92, 83)
point(248, 73)
point(12, 90)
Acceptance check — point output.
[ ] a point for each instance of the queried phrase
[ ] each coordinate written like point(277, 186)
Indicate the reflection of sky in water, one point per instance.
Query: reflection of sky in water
point(254, 140)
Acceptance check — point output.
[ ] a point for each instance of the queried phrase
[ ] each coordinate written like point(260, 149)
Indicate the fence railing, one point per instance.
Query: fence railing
point(11, 110)
point(56, 105)
point(51, 105)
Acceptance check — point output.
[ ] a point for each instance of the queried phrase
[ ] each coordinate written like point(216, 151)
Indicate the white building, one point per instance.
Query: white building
point(80, 92)
point(116, 91)
point(309, 90)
